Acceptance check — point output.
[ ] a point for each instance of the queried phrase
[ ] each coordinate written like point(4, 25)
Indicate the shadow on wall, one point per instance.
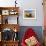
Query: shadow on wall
point(37, 29)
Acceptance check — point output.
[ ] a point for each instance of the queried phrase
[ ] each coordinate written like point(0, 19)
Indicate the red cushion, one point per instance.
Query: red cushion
point(29, 33)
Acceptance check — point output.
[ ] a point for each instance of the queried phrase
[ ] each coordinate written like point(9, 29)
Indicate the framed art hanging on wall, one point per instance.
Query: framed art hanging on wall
point(29, 14)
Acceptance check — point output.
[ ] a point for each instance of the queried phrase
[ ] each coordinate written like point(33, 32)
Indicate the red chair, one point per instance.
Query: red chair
point(29, 33)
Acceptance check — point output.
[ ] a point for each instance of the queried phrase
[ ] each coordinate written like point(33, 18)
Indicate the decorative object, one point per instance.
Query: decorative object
point(5, 12)
point(13, 12)
point(31, 41)
point(15, 3)
point(15, 37)
point(6, 21)
point(15, 30)
point(7, 34)
point(15, 34)
point(29, 14)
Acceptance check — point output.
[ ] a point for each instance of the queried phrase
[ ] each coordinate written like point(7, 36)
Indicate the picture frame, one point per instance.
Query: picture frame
point(11, 20)
point(29, 14)
point(5, 12)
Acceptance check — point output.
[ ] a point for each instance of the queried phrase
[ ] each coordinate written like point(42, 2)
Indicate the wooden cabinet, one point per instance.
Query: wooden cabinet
point(10, 26)
point(6, 12)
point(10, 43)
point(5, 26)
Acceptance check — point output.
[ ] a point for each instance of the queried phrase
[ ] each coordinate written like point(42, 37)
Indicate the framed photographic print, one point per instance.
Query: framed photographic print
point(29, 14)
point(5, 12)
point(11, 20)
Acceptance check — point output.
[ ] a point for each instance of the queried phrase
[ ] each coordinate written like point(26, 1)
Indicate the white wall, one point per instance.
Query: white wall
point(35, 4)
point(27, 4)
